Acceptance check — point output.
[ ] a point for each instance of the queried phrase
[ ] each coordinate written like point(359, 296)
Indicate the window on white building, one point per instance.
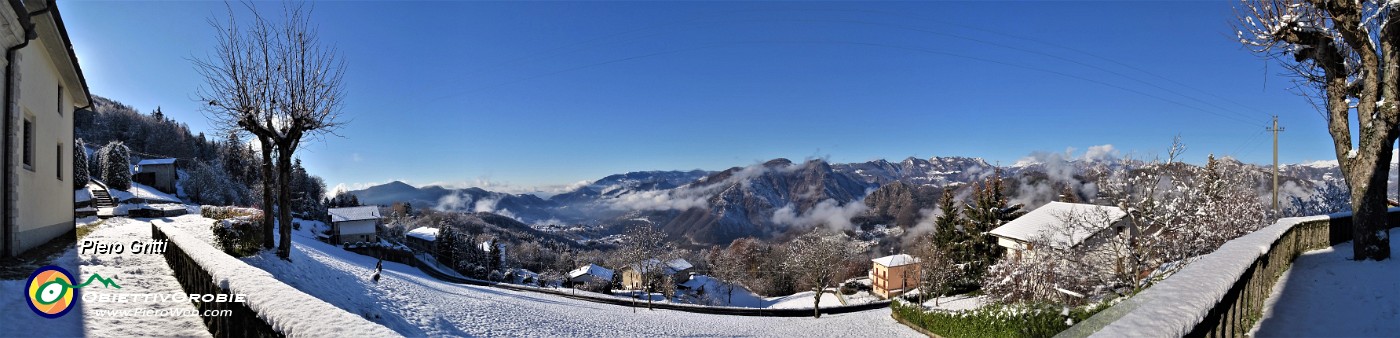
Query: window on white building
point(29, 143)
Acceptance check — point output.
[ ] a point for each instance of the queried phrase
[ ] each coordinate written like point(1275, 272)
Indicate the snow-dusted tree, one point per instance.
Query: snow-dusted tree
point(937, 268)
point(646, 251)
point(818, 259)
point(1346, 55)
point(80, 165)
point(988, 210)
point(448, 246)
point(116, 165)
point(728, 267)
point(279, 83)
point(209, 185)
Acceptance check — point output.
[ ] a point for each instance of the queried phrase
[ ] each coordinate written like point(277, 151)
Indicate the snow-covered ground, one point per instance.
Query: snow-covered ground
point(414, 304)
point(1326, 294)
point(144, 192)
point(137, 274)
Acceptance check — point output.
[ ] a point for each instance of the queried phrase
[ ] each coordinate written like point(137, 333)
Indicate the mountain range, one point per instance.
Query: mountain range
point(768, 199)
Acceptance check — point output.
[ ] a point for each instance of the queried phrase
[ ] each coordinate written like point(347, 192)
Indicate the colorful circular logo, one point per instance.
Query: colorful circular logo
point(51, 293)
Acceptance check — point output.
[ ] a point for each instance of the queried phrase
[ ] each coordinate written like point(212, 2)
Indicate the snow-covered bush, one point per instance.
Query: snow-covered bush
point(239, 236)
point(217, 212)
point(115, 161)
point(80, 165)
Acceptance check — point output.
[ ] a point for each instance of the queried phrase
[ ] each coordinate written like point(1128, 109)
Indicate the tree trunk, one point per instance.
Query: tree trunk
point(268, 199)
point(817, 304)
point(1369, 232)
point(284, 213)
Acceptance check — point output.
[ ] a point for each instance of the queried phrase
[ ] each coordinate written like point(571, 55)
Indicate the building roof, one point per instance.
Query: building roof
point(671, 267)
point(156, 161)
point(896, 260)
point(593, 270)
point(353, 213)
point(1051, 223)
point(424, 233)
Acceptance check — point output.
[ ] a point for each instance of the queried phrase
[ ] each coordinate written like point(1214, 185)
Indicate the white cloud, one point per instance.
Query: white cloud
point(827, 213)
point(1101, 152)
point(456, 201)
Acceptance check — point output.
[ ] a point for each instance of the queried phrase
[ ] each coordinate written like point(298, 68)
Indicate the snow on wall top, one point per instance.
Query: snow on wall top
point(896, 260)
point(156, 161)
point(1048, 221)
point(1173, 307)
point(592, 269)
point(353, 213)
point(283, 307)
point(424, 233)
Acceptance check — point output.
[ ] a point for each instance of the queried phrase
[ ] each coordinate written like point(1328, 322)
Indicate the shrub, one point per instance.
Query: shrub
point(1035, 320)
point(216, 212)
point(239, 236)
point(80, 165)
point(115, 161)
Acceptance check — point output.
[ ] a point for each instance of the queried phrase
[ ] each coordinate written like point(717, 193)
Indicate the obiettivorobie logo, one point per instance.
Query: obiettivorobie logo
point(51, 291)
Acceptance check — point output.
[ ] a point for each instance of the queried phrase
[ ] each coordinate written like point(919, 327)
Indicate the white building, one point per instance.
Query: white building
point(1060, 225)
point(356, 224)
point(42, 85)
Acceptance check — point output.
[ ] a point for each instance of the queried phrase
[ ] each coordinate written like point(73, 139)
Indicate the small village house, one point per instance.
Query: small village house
point(44, 85)
point(894, 275)
point(679, 269)
point(591, 273)
point(355, 224)
point(1061, 226)
point(157, 173)
point(423, 239)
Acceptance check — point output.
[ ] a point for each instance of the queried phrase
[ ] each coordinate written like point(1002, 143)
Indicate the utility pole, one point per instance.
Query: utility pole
point(1276, 130)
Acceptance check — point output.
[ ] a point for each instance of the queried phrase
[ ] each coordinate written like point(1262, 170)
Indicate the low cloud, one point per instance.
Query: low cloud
point(828, 213)
point(456, 201)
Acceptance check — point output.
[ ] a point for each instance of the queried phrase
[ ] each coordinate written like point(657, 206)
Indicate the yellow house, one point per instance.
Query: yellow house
point(42, 86)
point(894, 275)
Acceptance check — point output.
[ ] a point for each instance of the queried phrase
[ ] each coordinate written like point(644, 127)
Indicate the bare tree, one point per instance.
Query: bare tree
point(238, 89)
point(646, 252)
point(309, 76)
point(1347, 55)
point(728, 267)
point(280, 84)
point(818, 259)
point(939, 271)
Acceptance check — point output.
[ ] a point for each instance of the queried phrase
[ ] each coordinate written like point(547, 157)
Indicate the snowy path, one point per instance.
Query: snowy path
point(137, 274)
point(411, 303)
point(1326, 294)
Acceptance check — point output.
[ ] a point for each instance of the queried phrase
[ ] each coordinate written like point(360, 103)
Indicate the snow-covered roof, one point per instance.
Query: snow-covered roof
point(592, 269)
point(896, 260)
point(672, 266)
point(353, 213)
point(1048, 223)
point(154, 161)
point(424, 233)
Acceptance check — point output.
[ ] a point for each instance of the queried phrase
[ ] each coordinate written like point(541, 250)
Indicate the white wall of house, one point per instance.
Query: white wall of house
point(356, 231)
point(42, 203)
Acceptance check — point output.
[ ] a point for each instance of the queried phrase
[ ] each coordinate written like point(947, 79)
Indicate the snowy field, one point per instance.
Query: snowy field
point(414, 304)
point(137, 274)
point(1326, 294)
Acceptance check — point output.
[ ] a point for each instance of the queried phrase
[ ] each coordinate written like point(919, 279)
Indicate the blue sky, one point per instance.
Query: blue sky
point(517, 96)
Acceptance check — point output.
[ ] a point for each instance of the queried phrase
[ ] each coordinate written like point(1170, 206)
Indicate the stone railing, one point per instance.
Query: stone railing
point(1223, 293)
point(271, 308)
